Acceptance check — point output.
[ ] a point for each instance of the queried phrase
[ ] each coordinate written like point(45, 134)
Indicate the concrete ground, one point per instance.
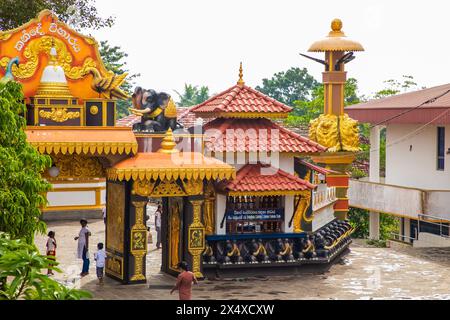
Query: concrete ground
point(366, 273)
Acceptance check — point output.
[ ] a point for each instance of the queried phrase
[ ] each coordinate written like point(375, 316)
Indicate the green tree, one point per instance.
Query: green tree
point(21, 277)
point(305, 111)
point(359, 219)
point(114, 60)
point(393, 87)
point(14, 13)
point(289, 86)
point(22, 189)
point(192, 95)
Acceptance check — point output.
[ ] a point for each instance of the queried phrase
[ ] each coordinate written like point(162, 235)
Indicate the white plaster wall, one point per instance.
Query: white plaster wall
point(416, 168)
point(288, 212)
point(385, 198)
point(322, 217)
point(73, 198)
point(103, 196)
point(221, 203)
point(287, 162)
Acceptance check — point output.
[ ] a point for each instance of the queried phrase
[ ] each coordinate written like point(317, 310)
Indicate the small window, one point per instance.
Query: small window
point(440, 148)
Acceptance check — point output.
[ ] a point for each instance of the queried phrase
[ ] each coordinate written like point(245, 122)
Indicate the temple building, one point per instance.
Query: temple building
point(237, 189)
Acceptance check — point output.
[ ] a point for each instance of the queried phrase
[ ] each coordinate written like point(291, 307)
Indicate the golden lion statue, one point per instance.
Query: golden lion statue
point(336, 133)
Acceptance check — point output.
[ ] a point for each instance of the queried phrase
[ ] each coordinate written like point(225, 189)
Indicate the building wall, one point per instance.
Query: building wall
point(76, 196)
point(416, 168)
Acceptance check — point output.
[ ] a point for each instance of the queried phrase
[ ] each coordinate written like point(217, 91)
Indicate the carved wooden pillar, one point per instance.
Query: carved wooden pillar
point(195, 235)
point(138, 241)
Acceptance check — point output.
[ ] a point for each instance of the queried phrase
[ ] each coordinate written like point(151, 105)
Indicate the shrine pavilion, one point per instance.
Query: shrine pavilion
point(241, 196)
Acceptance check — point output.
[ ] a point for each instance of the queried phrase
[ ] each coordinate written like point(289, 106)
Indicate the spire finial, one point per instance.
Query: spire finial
point(168, 143)
point(241, 76)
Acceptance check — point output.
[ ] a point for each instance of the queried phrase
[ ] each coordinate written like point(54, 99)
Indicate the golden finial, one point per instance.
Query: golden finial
point(336, 25)
point(53, 56)
point(241, 76)
point(168, 143)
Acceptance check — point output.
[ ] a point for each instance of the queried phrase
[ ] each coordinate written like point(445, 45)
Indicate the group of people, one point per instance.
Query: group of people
point(184, 280)
point(82, 251)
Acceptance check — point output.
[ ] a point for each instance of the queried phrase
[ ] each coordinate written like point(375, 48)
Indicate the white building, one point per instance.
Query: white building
point(416, 187)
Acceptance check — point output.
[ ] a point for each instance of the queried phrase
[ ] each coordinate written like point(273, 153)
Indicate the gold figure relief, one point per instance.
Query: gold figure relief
point(337, 133)
point(174, 227)
point(78, 167)
point(193, 187)
point(209, 214)
point(168, 188)
point(143, 188)
point(303, 201)
point(43, 45)
point(139, 241)
point(196, 239)
point(114, 266)
point(115, 227)
point(59, 115)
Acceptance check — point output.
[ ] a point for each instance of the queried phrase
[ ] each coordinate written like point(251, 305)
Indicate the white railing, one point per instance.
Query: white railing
point(322, 198)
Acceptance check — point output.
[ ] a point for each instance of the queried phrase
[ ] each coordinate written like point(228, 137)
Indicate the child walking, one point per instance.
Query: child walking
point(51, 249)
point(100, 258)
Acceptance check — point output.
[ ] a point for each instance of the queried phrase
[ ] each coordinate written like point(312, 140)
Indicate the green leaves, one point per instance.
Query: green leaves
point(14, 13)
point(114, 60)
point(22, 188)
point(21, 265)
point(289, 86)
point(192, 95)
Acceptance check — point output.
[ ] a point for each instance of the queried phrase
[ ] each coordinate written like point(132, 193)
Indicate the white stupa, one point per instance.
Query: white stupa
point(53, 80)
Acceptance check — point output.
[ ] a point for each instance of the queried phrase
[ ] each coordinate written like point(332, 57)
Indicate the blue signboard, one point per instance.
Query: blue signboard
point(257, 214)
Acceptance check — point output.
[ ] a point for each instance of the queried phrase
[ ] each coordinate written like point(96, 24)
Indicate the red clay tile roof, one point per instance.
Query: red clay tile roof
point(241, 98)
point(184, 116)
point(252, 135)
point(264, 178)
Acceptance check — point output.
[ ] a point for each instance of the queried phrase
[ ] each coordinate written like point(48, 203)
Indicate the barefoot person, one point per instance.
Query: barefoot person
point(100, 258)
point(51, 249)
point(83, 246)
point(184, 282)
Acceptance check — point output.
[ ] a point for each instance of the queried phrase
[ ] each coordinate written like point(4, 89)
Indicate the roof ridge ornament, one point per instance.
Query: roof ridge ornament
point(168, 143)
point(241, 76)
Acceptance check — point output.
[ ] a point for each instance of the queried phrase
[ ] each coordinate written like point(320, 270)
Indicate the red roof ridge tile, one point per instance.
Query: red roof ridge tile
point(227, 96)
point(256, 167)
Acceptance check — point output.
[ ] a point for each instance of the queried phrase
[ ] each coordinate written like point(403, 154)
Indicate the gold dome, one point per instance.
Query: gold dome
point(336, 41)
point(53, 80)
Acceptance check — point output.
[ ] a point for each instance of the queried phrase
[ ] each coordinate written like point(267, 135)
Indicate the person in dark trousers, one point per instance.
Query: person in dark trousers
point(83, 246)
point(158, 226)
point(100, 259)
point(184, 282)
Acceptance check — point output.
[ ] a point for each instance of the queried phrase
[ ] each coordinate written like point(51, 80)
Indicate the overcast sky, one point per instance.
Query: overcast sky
point(201, 42)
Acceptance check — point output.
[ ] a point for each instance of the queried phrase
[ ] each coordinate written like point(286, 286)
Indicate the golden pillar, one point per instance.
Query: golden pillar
point(196, 237)
point(333, 128)
point(139, 241)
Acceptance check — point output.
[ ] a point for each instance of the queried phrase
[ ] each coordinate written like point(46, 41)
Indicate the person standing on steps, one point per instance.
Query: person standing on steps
point(83, 246)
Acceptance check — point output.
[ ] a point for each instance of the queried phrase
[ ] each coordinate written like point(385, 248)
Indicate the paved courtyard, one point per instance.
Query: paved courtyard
point(366, 273)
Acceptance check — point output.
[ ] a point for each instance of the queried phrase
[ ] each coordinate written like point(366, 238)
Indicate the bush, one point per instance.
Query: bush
point(21, 277)
point(359, 219)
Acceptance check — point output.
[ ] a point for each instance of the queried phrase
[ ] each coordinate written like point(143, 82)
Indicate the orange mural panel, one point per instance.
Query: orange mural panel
point(31, 43)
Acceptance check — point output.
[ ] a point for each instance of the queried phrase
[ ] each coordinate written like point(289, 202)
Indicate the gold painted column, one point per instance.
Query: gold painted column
point(138, 242)
point(196, 238)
